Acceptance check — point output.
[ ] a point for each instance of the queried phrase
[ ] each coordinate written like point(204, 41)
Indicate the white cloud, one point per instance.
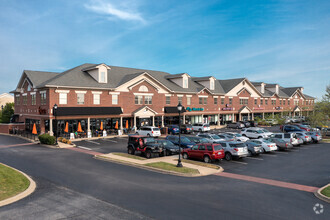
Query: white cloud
point(102, 7)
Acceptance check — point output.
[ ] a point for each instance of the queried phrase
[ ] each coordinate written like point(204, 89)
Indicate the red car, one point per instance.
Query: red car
point(304, 127)
point(204, 151)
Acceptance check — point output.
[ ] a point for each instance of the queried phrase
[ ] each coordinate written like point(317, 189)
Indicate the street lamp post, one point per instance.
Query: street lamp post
point(54, 113)
point(1, 107)
point(179, 110)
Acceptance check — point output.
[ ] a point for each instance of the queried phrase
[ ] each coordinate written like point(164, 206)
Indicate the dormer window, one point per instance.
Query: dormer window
point(102, 77)
point(212, 84)
point(185, 82)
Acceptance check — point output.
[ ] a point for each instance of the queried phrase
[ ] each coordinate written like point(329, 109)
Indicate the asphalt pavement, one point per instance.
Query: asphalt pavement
point(139, 193)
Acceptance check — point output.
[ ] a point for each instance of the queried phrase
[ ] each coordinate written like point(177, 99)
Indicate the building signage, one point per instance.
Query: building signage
point(227, 109)
point(194, 109)
point(258, 108)
point(278, 108)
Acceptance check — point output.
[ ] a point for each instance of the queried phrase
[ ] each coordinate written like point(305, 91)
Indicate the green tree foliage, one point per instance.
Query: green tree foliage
point(7, 112)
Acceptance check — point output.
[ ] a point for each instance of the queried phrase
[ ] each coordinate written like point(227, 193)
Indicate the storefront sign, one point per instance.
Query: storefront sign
point(278, 108)
point(227, 109)
point(258, 108)
point(194, 109)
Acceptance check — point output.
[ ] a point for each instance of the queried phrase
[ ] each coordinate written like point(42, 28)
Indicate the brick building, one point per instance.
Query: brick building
point(90, 94)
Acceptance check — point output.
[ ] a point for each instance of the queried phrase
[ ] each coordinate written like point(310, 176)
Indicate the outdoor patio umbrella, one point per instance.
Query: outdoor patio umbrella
point(34, 130)
point(66, 130)
point(126, 126)
point(101, 126)
point(116, 126)
point(79, 128)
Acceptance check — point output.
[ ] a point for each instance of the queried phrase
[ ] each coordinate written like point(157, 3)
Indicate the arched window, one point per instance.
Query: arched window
point(143, 89)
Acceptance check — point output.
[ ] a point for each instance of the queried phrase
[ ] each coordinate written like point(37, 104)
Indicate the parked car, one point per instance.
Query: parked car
point(238, 137)
point(254, 133)
point(234, 149)
point(197, 140)
point(187, 129)
point(144, 144)
point(271, 121)
point(316, 136)
point(185, 142)
point(173, 129)
point(168, 147)
point(303, 127)
point(267, 146)
point(212, 138)
point(253, 123)
point(205, 151)
point(148, 131)
point(237, 125)
point(246, 124)
point(201, 127)
point(254, 149)
point(304, 136)
point(288, 137)
point(290, 128)
point(280, 143)
point(226, 137)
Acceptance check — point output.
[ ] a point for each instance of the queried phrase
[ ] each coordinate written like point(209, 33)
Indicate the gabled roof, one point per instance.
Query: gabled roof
point(290, 90)
point(175, 76)
point(229, 84)
point(204, 78)
point(257, 83)
point(309, 97)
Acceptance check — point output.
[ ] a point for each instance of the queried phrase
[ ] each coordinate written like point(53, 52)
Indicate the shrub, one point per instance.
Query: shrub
point(64, 140)
point(60, 139)
point(68, 142)
point(47, 139)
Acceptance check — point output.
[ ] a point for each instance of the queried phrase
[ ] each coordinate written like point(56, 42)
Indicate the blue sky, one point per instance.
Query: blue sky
point(287, 41)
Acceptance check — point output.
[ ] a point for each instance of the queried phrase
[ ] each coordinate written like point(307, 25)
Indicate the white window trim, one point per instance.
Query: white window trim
point(203, 96)
point(179, 95)
point(189, 95)
point(168, 95)
point(243, 97)
point(62, 91)
point(215, 96)
point(41, 92)
point(18, 95)
point(114, 93)
point(96, 93)
point(144, 94)
point(32, 93)
point(80, 92)
point(24, 94)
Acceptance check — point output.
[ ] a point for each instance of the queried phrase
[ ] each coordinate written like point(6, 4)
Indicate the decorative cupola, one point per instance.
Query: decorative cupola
point(99, 72)
point(181, 79)
point(208, 81)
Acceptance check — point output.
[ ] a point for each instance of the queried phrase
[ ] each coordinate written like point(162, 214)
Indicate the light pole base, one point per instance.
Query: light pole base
point(179, 164)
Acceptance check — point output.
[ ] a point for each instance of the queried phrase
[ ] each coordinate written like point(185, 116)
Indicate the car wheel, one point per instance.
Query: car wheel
point(148, 135)
point(250, 153)
point(137, 133)
point(244, 135)
point(185, 156)
point(200, 130)
point(259, 137)
point(237, 127)
point(148, 154)
point(130, 150)
point(263, 150)
point(207, 159)
point(168, 153)
point(228, 156)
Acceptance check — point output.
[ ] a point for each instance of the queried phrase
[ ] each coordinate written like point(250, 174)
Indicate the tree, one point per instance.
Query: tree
point(7, 112)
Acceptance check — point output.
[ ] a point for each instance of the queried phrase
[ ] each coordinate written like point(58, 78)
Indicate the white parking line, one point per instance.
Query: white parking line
point(238, 162)
point(254, 158)
point(93, 142)
point(269, 155)
point(86, 148)
point(110, 140)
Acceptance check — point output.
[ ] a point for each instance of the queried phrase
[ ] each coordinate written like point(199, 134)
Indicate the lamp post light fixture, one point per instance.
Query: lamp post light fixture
point(179, 107)
point(55, 113)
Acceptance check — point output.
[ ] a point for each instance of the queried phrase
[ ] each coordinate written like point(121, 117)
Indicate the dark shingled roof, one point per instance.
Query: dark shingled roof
point(229, 84)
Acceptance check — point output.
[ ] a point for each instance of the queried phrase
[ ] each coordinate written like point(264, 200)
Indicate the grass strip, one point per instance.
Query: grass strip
point(208, 165)
point(326, 140)
point(326, 191)
point(12, 182)
point(172, 167)
point(129, 156)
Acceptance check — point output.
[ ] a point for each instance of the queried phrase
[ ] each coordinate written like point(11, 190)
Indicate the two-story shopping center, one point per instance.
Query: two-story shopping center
point(100, 96)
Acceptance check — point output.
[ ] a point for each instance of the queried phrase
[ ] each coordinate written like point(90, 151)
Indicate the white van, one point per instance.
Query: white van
point(149, 131)
point(289, 137)
point(201, 127)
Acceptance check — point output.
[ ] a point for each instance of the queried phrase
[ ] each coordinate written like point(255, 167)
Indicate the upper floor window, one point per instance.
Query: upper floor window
point(215, 101)
point(138, 99)
point(261, 101)
point(222, 101)
point(148, 100)
point(266, 101)
point(230, 101)
point(283, 101)
point(243, 101)
point(115, 99)
point(273, 102)
point(202, 100)
point(180, 99)
point(280, 102)
point(24, 100)
point(185, 82)
point(188, 100)
point(168, 100)
point(80, 98)
point(33, 99)
point(96, 99)
point(18, 100)
point(43, 98)
point(256, 101)
point(288, 102)
point(63, 99)
point(102, 77)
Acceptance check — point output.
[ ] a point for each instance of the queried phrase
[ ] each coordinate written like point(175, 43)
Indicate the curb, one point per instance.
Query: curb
point(319, 195)
point(21, 195)
point(24, 138)
point(150, 168)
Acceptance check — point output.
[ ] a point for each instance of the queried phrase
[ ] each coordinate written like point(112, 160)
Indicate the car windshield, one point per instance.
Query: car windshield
point(265, 130)
point(156, 129)
point(260, 131)
point(267, 141)
point(149, 140)
point(214, 136)
point(238, 135)
point(217, 147)
point(237, 145)
point(167, 143)
point(185, 140)
point(203, 140)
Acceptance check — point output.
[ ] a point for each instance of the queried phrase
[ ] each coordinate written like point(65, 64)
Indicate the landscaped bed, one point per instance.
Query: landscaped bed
point(326, 191)
point(129, 156)
point(172, 167)
point(12, 182)
point(208, 165)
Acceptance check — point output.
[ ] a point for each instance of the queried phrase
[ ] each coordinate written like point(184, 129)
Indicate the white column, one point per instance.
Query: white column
point(233, 117)
point(153, 121)
point(263, 115)
point(88, 124)
point(183, 119)
point(134, 123)
point(51, 127)
point(121, 123)
point(273, 115)
point(249, 117)
point(252, 119)
point(162, 121)
point(218, 119)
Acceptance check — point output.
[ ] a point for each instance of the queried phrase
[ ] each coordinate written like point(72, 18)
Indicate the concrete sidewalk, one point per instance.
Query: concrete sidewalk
point(203, 170)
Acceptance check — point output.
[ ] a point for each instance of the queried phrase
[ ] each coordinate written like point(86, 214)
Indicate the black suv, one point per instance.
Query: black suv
point(146, 145)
